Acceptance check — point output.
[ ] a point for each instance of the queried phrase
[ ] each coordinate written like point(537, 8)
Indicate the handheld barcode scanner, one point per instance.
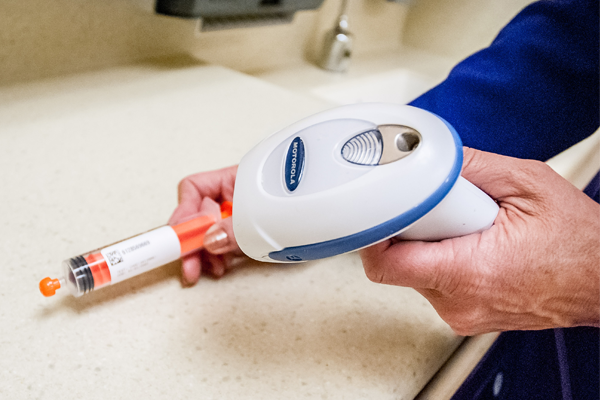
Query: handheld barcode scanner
point(329, 184)
point(350, 177)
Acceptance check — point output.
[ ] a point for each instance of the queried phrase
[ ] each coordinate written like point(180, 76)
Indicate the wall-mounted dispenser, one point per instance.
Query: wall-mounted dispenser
point(235, 13)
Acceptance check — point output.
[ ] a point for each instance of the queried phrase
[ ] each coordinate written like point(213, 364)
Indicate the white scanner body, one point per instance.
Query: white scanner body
point(353, 176)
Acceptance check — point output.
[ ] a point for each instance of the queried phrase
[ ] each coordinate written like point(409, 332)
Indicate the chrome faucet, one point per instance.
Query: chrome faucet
point(337, 46)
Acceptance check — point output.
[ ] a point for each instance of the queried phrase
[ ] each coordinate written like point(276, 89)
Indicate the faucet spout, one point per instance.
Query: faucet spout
point(337, 46)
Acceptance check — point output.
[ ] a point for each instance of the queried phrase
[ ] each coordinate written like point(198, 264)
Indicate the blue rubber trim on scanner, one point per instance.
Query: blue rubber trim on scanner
point(317, 251)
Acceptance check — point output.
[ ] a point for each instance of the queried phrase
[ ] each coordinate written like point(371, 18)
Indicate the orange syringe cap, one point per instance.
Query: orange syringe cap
point(48, 286)
point(226, 209)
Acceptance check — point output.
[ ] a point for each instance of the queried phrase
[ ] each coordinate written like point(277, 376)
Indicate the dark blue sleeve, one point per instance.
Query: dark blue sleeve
point(531, 94)
point(534, 91)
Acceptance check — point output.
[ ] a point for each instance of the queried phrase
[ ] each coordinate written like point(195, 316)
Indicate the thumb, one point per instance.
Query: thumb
point(219, 238)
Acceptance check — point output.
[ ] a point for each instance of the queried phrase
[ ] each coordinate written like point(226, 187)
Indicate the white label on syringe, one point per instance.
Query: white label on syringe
point(141, 253)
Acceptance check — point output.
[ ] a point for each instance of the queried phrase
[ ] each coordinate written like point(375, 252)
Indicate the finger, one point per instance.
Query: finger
point(189, 198)
point(190, 269)
point(183, 212)
point(501, 176)
point(396, 264)
point(192, 190)
point(186, 211)
point(191, 265)
point(425, 265)
point(220, 239)
point(207, 207)
point(218, 265)
point(216, 184)
point(210, 207)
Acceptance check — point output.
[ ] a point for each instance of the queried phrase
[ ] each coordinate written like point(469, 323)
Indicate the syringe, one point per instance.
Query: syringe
point(130, 257)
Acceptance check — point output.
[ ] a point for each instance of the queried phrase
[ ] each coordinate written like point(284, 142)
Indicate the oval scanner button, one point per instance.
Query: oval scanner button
point(386, 144)
point(364, 149)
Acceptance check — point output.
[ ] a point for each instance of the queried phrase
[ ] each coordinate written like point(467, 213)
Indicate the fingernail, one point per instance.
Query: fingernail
point(184, 282)
point(215, 239)
point(190, 271)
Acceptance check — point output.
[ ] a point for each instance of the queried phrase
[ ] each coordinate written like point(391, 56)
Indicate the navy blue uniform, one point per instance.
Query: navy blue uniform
point(531, 94)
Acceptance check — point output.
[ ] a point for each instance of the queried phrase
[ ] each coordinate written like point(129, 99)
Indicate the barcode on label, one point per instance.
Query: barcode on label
point(114, 257)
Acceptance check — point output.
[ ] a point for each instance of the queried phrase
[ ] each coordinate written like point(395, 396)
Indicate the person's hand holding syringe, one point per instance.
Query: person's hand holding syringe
point(201, 194)
point(200, 222)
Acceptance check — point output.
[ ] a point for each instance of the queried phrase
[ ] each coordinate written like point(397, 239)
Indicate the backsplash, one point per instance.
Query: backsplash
point(42, 38)
point(456, 28)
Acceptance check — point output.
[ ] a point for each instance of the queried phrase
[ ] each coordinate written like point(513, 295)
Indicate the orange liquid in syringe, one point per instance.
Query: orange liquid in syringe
point(132, 256)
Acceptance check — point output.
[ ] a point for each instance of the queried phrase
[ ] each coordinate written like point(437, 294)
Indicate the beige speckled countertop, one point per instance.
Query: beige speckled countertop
point(90, 159)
